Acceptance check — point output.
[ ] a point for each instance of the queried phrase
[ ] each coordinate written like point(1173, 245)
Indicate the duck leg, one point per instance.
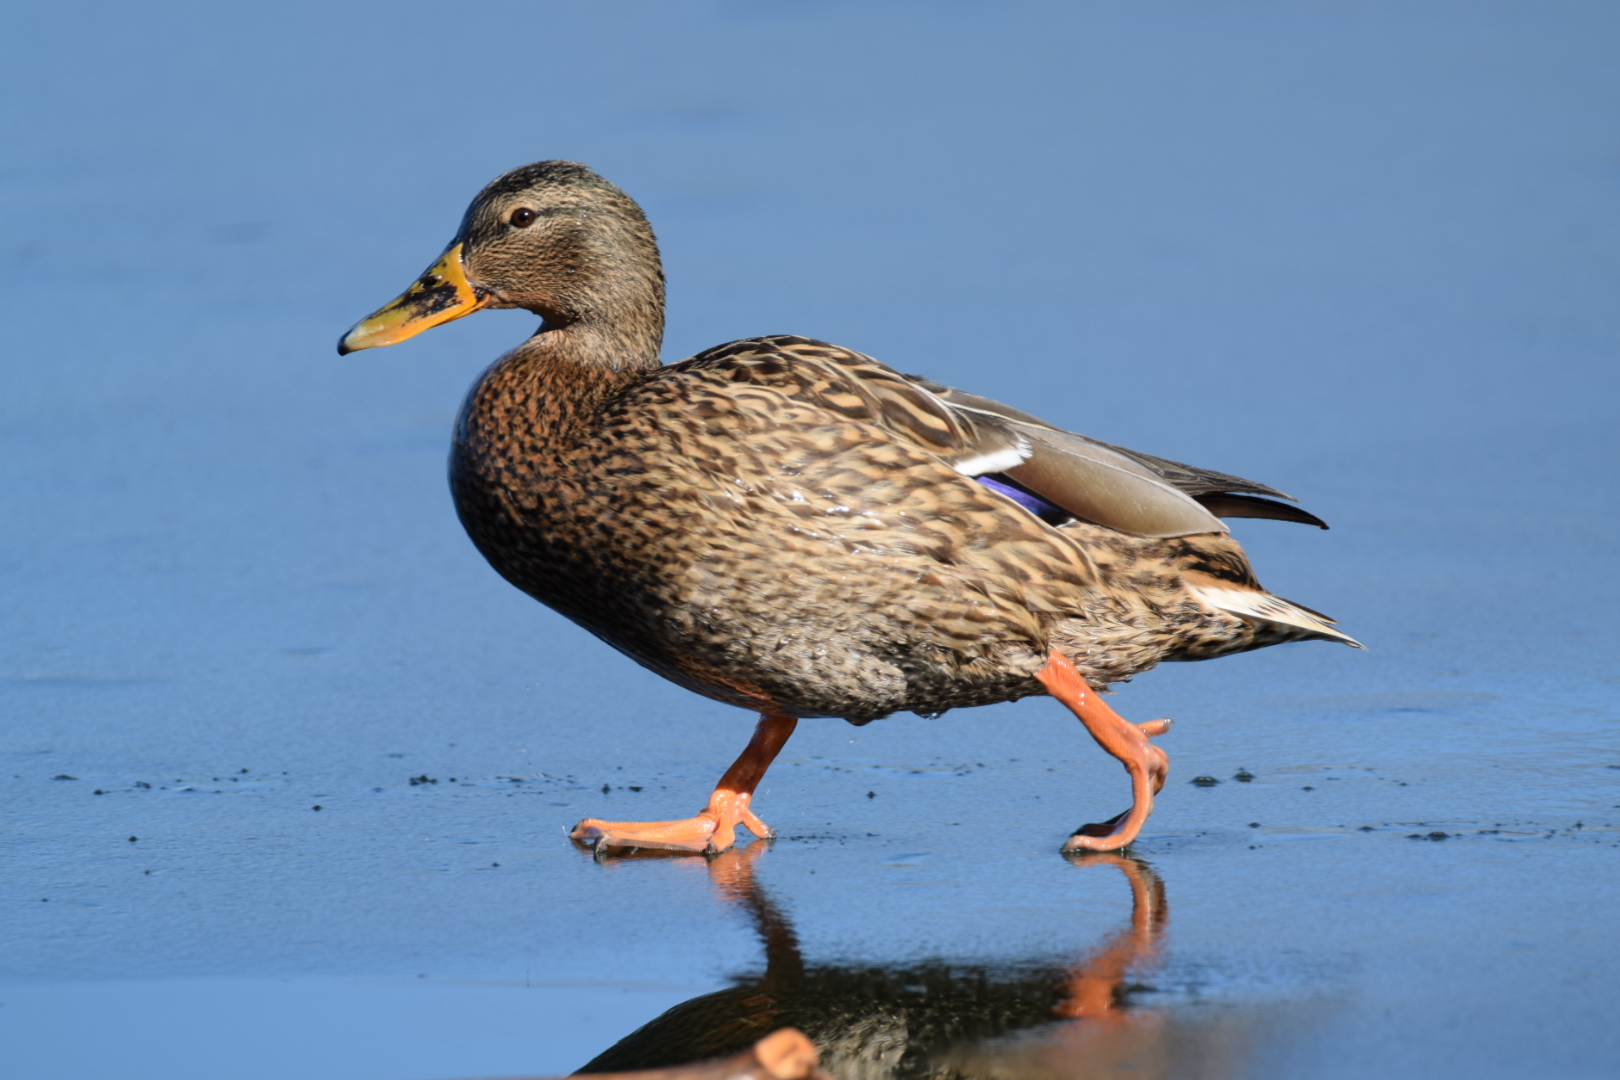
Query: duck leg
point(714, 828)
point(1147, 764)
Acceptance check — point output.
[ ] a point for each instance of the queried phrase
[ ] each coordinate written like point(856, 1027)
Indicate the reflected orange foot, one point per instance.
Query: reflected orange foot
point(713, 830)
point(1148, 767)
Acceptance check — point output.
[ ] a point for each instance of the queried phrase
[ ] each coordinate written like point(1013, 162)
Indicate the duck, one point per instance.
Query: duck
point(794, 528)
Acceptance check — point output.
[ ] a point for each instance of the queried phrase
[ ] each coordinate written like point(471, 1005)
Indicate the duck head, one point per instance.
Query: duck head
point(554, 238)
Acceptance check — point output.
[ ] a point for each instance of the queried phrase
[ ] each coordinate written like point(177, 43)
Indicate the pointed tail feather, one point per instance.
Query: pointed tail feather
point(1264, 607)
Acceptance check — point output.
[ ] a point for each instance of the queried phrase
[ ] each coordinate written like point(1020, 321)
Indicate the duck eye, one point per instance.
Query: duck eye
point(522, 217)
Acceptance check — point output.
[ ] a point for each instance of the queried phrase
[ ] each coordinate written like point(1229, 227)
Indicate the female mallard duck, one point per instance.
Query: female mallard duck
point(794, 528)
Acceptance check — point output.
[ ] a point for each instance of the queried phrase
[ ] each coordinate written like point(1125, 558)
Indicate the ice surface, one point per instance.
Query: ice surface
point(1364, 252)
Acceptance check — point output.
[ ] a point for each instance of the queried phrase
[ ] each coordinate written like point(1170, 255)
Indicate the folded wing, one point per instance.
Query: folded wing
point(1109, 485)
point(1125, 489)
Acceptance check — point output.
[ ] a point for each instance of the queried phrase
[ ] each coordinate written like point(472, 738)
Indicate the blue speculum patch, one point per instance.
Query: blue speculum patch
point(1047, 512)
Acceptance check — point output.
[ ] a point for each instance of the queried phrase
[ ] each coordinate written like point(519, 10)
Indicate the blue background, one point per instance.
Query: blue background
point(1365, 252)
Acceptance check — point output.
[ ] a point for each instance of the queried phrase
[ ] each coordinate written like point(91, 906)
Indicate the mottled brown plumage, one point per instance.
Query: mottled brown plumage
point(792, 527)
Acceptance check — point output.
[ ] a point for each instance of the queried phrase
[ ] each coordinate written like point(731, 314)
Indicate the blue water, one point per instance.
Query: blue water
point(1367, 253)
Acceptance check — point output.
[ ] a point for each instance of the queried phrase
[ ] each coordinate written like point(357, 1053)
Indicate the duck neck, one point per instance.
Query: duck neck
point(566, 372)
point(615, 338)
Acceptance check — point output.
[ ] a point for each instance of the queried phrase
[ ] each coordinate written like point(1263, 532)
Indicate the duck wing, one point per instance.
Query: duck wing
point(977, 437)
point(859, 388)
point(1067, 466)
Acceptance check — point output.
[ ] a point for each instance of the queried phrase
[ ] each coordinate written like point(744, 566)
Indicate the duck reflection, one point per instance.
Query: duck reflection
point(931, 1018)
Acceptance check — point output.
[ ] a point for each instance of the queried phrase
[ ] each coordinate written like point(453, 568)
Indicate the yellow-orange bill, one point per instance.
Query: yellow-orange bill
point(438, 296)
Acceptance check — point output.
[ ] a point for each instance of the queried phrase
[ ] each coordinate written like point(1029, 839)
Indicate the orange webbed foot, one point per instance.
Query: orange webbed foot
point(711, 830)
point(1148, 768)
point(1147, 765)
point(714, 828)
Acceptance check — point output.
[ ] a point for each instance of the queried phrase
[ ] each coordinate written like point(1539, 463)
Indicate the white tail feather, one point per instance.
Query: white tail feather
point(1264, 607)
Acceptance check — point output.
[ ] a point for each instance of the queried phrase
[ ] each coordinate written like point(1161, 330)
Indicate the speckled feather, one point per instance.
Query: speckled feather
point(792, 527)
point(776, 523)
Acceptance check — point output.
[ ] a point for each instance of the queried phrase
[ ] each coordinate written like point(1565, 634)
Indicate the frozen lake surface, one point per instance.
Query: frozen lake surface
point(287, 769)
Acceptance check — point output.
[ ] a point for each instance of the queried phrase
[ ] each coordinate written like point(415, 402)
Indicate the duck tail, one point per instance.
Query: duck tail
point(1260, 606)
